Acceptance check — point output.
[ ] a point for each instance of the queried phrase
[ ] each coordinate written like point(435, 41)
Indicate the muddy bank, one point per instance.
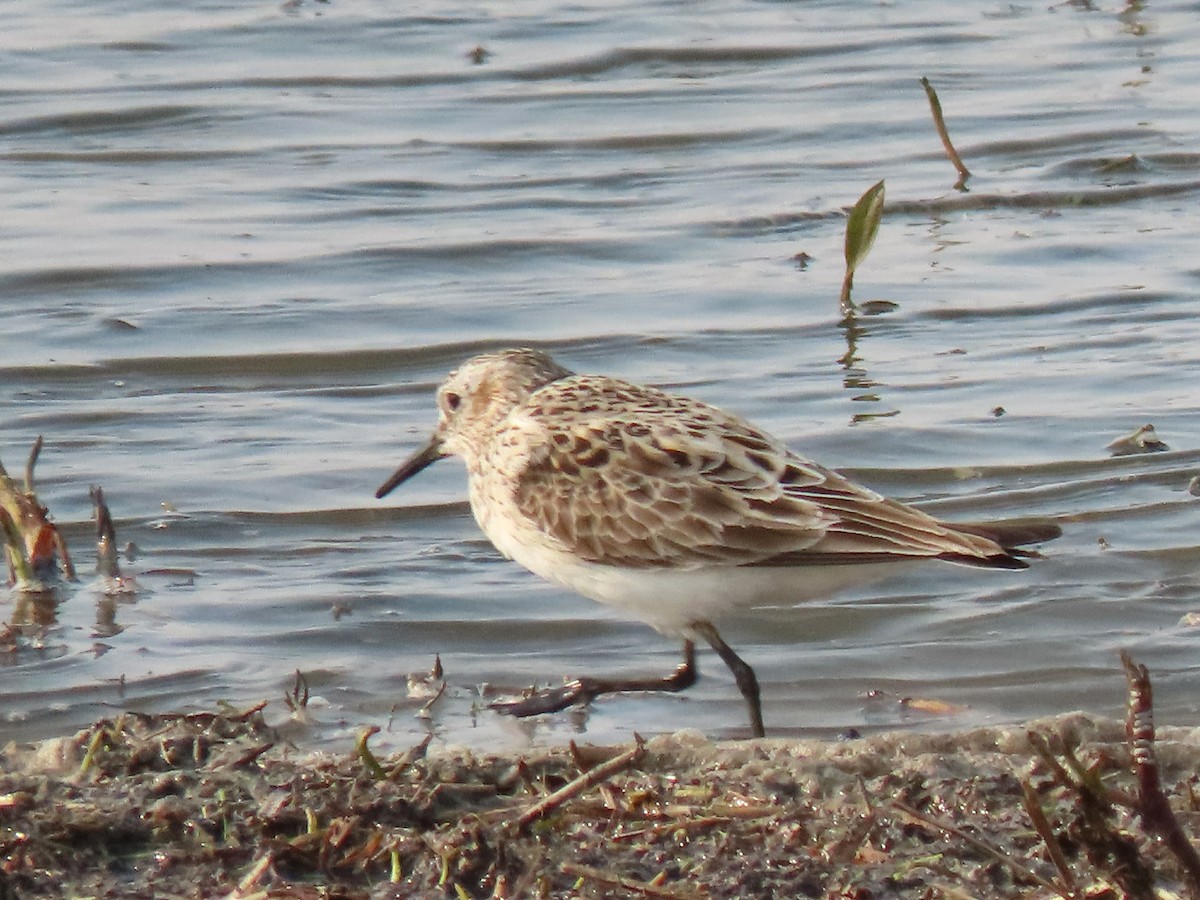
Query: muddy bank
point(217, 805)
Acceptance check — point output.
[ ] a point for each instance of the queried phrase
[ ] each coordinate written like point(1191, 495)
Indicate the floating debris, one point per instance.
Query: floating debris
point(926, 705)
point(932, 707)
point(877, 307)
point(423, 685)
point(429, 687)
point(1143, 440)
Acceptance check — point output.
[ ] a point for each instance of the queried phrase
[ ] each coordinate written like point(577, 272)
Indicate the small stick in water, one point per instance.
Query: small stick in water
point(107, 563)
point(939, 122)
point(33, 458)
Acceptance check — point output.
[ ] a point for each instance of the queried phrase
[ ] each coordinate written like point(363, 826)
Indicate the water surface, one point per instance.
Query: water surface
point(242, 243)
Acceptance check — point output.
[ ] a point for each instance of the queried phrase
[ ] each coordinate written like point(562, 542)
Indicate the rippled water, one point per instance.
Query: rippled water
point(243, 242)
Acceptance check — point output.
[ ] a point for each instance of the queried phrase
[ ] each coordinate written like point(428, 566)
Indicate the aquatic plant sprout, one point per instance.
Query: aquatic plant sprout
point(861, 228)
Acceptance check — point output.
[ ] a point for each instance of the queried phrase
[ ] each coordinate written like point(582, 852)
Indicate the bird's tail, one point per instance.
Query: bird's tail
point(1011, 535)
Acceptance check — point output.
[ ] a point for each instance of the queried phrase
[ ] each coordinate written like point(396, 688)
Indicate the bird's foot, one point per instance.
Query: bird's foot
point(581, 691)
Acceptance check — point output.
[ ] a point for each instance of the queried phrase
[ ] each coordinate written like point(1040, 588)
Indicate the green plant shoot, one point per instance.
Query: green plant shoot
point(861, 228)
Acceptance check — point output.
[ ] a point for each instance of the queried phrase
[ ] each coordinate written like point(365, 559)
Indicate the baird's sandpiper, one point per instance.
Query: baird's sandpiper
point(671, 510)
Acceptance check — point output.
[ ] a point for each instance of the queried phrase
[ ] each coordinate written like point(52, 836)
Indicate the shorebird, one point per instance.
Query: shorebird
point(674, 511)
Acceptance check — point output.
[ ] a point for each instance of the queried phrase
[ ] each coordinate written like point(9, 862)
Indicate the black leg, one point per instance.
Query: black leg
point(585, 690)
point(742, 673)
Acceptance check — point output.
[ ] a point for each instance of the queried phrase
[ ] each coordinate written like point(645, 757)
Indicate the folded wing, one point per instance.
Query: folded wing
point(674, 483)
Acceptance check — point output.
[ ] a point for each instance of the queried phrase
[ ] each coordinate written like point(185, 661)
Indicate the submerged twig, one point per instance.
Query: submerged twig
point(1157, 816)
point(939, 123)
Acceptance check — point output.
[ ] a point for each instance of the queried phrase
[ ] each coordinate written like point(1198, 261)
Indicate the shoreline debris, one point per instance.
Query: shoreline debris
point(35, 548)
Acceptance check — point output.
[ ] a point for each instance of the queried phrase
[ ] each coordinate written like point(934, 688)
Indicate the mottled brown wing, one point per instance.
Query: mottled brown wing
point(632, 476)
point(660, 481)
point(654, 480)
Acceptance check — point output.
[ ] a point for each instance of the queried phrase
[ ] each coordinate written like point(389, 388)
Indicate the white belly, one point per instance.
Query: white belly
point(671, 599)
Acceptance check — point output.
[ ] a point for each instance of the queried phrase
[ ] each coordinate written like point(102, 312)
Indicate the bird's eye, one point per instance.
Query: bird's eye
point(453, 401)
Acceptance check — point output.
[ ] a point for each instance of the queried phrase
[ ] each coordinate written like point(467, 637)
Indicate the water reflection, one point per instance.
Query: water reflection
point(34, 613)
point(854, 375)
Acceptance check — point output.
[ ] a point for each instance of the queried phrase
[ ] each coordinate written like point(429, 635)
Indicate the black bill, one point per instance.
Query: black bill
point(423, 458)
